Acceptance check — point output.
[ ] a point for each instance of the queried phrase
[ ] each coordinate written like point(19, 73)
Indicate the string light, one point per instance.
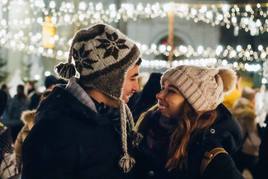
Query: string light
point(209, 56)
point(250, 17)
point(32, 44)
point(211, 62)
point(243, 16)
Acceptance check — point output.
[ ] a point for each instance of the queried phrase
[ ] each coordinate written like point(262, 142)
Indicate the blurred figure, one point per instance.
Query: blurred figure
point(261, 169)
point(145, 99)
point(50, 82)
point(33, 95)
point(7, 157)
point(19, 103)
point(262, 110)
point(233, 96)
point(244, 112)
point(3, 102)
point(28, 118)
point(5, 89)
point(261, 106)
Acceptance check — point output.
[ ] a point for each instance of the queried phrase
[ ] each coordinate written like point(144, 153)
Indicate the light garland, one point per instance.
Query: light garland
point(238, 16)
point(32, 44)
point(212, 62)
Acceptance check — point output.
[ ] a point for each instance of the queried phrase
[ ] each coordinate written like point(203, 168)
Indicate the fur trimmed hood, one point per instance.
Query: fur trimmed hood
point(28, 116)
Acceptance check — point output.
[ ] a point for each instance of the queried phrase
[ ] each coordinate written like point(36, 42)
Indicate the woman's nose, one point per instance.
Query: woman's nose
point(160, 95)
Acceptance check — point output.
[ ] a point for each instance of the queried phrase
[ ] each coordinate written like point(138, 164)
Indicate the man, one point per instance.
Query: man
point(83, 129)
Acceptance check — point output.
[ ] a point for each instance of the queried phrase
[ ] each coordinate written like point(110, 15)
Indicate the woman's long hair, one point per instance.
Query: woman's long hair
point(189, 122)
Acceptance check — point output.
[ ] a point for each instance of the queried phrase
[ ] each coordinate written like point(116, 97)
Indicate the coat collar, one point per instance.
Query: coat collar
point(63, 101)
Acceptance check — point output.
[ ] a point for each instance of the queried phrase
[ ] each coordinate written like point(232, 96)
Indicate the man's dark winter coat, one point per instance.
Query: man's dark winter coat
point(70, 141)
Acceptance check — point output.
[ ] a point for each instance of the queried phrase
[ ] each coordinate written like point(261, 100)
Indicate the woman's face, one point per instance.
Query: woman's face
point(170, 100)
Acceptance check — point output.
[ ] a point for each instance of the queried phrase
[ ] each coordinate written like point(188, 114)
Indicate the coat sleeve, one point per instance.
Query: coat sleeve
point(222, 167)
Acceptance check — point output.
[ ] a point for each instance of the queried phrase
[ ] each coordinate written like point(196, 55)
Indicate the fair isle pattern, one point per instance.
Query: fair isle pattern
point(111, 78)
point(102, 55)
point(82, 59)
point(112, 45)
point(106, 48)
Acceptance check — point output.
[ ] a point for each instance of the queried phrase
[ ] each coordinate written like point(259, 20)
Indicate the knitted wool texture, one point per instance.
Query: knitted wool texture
point(202, 87)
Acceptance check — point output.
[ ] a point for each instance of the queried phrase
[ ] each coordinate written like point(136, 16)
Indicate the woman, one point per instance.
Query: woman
point(189, 134)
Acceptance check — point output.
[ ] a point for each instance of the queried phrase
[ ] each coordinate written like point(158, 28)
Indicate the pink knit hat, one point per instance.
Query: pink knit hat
point(202, 87)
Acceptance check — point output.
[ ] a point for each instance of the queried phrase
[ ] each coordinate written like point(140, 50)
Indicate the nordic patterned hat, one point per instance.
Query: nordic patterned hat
point(102, 56)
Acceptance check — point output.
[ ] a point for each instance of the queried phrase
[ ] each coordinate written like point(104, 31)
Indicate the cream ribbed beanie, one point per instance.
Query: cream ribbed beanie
point(202, 87)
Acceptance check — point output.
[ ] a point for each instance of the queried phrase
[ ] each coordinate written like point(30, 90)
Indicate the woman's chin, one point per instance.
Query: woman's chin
point(164, 113)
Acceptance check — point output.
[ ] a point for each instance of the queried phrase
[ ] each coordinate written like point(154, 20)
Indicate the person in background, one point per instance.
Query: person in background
point(234, 95)
point(3, 102)
point(28, 117)
point(19, 103)
point(5, 89)
point(83, 129)
point(189, 133)
point(261, 167)
point(33, 95)
point(7, 157)
point(244, 112)
point(50, 82)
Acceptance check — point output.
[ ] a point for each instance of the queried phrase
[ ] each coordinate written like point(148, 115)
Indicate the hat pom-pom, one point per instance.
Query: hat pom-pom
point(65, 70)
point(229, 78)
point(127, 163)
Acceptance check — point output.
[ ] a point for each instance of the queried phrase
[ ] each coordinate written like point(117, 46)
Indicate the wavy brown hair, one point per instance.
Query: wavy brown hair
point(189, 123)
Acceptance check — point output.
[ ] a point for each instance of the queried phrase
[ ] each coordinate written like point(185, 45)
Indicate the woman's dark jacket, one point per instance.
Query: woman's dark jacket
point(70, 141)
point(224, 133)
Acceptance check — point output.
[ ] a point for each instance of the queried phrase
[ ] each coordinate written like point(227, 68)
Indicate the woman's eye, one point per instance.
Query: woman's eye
point(171, 91)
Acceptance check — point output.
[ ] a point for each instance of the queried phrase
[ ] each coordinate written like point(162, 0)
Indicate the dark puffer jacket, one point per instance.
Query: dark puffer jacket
point(70, 141)
point(224, 133)
point(263, 158)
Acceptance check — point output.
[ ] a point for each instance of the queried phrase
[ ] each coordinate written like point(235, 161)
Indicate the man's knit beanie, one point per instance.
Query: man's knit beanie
point(202, 87)
point(102, 56)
